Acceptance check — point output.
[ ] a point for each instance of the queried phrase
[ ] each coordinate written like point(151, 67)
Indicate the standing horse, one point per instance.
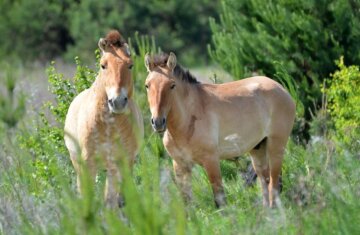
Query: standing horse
point(104, 120)
point(204, 123)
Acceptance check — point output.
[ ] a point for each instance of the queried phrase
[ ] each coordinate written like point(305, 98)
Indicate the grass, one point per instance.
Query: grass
point(321, 187)
point(320, 195)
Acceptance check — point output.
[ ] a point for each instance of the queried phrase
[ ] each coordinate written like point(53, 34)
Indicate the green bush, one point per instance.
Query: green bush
point(48, 134)
point(343, 93)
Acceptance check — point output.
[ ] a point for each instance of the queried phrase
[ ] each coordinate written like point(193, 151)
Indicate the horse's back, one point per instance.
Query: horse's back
point(280, 105)
point(256, 89)
point(247, 86)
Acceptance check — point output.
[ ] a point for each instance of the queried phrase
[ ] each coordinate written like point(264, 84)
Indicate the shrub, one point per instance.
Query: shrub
point(343, 94)
point(46, 142)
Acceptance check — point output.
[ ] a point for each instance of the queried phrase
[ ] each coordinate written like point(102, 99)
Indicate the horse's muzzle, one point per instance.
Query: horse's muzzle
point(158, 124)
point(118, 105)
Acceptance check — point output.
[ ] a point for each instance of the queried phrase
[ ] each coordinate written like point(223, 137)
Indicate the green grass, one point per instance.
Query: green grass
point(321, 183)
point(320, 196)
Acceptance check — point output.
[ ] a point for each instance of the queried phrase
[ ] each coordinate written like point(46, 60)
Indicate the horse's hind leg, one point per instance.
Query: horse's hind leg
point(275, 151)
point(261, 166)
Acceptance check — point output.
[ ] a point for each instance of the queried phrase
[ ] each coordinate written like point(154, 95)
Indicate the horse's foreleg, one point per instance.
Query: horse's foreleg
point(86, 171)
point(112, 185)
point(212, 167)
point(183, 179)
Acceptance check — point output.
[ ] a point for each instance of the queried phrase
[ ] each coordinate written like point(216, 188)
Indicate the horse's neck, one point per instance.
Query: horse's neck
point(185, 102)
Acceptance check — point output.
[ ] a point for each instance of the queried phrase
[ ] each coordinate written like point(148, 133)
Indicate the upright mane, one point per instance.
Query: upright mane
point(115, 38)
point(180, 73)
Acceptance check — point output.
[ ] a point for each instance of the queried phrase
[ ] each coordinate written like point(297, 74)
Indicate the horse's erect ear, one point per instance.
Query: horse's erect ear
point(103, 44)
point(127, 49)
point(171, 63)
point(148, 63)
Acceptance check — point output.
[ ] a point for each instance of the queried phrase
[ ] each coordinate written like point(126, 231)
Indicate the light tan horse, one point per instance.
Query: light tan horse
point(204, 123)
point(103, 120)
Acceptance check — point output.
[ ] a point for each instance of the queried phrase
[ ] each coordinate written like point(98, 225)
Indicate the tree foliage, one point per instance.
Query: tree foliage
point(305, 36)
point(33, 28)
point(47, 29)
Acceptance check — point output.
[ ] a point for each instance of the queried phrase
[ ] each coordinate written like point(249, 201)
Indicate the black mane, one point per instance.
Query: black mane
point(184, 75)
point(179, 72)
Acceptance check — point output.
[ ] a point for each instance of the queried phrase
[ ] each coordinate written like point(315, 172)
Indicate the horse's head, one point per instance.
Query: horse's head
point(115, 69)
point(160, 85)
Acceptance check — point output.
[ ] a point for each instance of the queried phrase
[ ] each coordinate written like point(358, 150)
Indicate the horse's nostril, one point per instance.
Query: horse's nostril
point(125, 99)
point(163, 121)
point(152, 121)
point(110, 101)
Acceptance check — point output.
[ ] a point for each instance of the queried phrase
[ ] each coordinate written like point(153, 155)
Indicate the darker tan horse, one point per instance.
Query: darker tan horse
point(104, 120)
point(204, 123)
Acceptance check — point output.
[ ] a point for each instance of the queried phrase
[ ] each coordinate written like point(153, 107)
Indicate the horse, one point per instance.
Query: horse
point(205, 123)
point(103, 122)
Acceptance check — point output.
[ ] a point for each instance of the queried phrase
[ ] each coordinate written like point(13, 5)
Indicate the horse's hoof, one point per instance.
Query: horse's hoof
point(121, 201)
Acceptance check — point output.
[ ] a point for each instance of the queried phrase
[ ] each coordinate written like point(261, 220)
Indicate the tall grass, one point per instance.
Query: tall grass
point(320, 193)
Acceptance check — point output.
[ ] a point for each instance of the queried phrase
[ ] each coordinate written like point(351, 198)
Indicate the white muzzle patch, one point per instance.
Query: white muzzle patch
point(117, 102)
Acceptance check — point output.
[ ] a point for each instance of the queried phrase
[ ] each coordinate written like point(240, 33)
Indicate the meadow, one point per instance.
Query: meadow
point(321, 183)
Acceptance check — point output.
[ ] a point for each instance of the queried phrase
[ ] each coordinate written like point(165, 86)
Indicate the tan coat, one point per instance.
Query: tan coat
point(205, 123)
point(103, 125)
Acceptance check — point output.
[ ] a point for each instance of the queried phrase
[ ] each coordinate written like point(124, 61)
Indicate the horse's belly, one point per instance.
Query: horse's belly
point(233, 146)
point(240, 132)
point(237, 142)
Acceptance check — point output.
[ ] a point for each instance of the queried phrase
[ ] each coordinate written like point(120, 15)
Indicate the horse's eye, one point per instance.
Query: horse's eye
point(103, 66)
point(172, 86)
point(147, 86)
point(131, 66)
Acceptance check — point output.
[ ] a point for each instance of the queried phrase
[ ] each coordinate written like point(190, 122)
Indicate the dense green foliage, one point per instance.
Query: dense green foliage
point(305, 36)
point(344, 99)
point(33, 29)
point(47, 29)
point(49, 135)
point(180, 26)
